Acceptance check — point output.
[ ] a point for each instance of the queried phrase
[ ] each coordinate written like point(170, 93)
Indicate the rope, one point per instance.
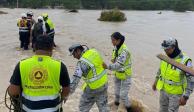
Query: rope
point(15, 102)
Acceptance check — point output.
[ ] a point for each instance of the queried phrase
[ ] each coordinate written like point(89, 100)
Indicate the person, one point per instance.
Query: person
point(37, 30)
point(175, 86)
point(41, 81)
point(24, 31)
point(89, 67)
point(121, 65)
point(30, 18)
point(50, 31)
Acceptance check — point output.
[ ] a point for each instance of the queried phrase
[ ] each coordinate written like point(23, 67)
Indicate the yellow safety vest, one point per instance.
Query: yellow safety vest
point(22, 24)
point(126, 69)
point(51, 26)
point(40, 77)
point(97, 76)
point(172, 80)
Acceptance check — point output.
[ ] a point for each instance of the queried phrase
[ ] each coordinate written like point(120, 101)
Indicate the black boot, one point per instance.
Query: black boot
point(129, 109)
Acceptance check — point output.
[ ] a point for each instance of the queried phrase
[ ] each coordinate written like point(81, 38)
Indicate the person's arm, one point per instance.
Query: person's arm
point(156, 79)
point(119, 62)
point(65, 82)
point(14, 88)
point(189, 87)
point(190, 81)
point(44, 28)
point(82, 69)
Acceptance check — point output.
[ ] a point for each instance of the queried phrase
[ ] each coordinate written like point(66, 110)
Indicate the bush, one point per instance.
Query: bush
point(113, 15)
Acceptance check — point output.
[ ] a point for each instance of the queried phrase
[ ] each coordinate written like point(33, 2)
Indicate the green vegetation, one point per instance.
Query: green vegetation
point(177, 5)
point(183, 5)
point(113, 15)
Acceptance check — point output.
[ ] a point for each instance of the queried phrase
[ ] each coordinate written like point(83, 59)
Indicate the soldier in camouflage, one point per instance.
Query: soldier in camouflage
point(121, 65)
point(175, 86)
point(96, 91)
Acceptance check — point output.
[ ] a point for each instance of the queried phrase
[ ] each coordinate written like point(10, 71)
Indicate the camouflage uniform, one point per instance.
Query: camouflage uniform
point(89, 96)
point(121, 86)
point(170, 102)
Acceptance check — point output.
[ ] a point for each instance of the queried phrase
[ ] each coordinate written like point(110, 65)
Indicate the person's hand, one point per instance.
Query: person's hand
point(182, 101)
point(154, 87)
point(104, 65)
point(65, 99)
point(112, 60)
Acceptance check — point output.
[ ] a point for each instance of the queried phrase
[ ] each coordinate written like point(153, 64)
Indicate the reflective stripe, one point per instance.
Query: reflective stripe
point(39, 98)
point(170, 82)
point(42, 110)
point(182, 61)
point(51, 33)
point(124, 68)
point(91, 65)
point(97, 77)
point(23, 29)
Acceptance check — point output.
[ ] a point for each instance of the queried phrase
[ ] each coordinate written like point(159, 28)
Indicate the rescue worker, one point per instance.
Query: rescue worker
point(31, 20)
point(37, 30)
point(89, 67)
point(24, 31)
point(175, 86)
point(42, 81)
point(50, 31)
point(121, 65)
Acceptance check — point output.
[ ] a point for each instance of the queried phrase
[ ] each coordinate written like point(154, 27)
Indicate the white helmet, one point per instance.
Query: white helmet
point(40, 18)
point(23, 15)
point(30, 13)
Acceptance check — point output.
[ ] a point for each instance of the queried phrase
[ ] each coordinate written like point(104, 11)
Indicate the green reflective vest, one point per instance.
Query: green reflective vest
point(126, 69)
point(50, 23)
point(40, 76)
point(172, 80)
point(97, 76)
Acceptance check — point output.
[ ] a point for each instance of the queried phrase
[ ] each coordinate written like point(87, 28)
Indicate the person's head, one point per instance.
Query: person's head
point(170, 46)
point(44, 43)
point(30, 14)
point(40, 19)
point(23, 16)
point(76, 50)
point(117, 39)
point(45, 16)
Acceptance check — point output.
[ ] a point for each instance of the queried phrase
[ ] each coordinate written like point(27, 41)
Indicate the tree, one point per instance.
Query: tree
point(183, 5)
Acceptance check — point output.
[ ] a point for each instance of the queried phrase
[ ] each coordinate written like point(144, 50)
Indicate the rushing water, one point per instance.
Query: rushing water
point(144, 32)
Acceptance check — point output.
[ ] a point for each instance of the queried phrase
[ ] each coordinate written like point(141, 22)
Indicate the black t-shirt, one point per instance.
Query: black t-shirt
point(64, 76)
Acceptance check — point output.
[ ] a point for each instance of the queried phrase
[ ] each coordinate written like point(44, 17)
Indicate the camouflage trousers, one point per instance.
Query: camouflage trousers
point(121, 90)
point(169, 102)
point(90, 97)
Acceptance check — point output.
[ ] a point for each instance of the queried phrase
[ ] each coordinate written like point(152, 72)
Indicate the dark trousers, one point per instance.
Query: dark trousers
point(24, 40)
point(52, 36)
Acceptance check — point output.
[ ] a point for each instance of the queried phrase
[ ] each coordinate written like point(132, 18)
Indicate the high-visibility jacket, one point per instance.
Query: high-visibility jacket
point(50, 28)
point(40, 77)
point(23, 25)
point(172, 80)
point(97, 76)
point(126, 69)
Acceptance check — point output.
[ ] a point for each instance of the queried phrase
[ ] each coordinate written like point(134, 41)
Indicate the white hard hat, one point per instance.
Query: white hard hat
point(40, 18)
point(30, 13)
point(23, 15)
point(171, 42)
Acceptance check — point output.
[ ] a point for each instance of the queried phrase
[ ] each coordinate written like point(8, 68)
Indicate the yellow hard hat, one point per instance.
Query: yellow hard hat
point(44, 15)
